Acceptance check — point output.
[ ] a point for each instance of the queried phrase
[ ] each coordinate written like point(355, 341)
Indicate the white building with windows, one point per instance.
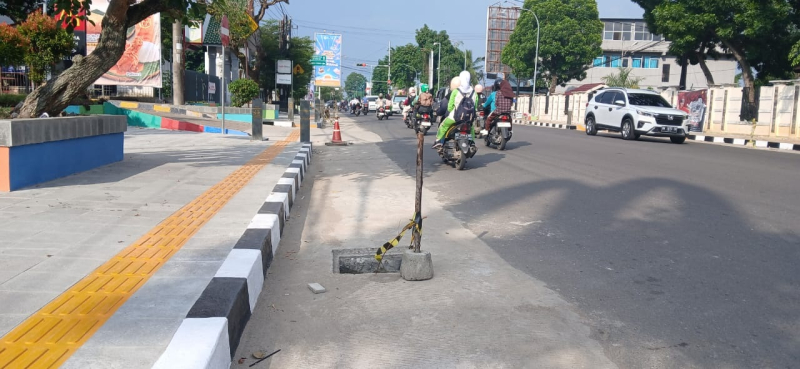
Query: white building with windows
point(628, 43)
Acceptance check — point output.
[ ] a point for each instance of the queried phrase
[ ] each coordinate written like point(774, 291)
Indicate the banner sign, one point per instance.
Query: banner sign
point(283, 79)
point(694, 103)
point(78, 35)
point(284, 66)
point(212, 88)
point(140, 64)
point(329, 45)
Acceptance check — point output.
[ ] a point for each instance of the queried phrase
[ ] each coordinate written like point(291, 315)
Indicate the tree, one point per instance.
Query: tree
point(243, 91)
point(330, 93)
point(12, 51)
point(300, 52)
point(54, 95)
point(623, 78)
point(18, 10)
point(45, 43)
point(757, 33)
point(573, 34)
point(355, 84)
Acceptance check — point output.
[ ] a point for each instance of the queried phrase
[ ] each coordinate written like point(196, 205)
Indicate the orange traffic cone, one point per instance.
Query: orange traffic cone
point(337, 136)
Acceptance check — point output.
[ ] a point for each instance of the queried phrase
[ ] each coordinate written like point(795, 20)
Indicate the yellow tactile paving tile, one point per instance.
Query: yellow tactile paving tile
point(49, 336)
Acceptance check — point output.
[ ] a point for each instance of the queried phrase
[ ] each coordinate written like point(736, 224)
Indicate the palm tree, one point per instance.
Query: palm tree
point(475, 66)
point(622, 79)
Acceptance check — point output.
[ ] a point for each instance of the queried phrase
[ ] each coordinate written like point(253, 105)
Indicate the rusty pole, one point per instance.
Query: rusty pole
point(418, 200)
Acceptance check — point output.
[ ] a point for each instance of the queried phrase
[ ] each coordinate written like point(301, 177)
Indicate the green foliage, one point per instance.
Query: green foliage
point(570, 37)
point(18, 10)
point(11, 100)
point(300, 52)
point(794, 55)
point(239, 22)
point(622, 78)
point(330, 93)
point(5, 113)
point(355, 84)
point(45, 44)
point(757, 32)
point(243, 91)
point(12, 50)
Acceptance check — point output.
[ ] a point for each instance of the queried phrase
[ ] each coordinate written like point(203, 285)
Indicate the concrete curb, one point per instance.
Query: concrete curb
point(210, 333)
point(543, 124)
point(746, 142)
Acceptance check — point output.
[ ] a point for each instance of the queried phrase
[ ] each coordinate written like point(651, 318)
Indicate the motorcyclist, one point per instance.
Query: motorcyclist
point(407, 105)
point(381, 102)
point(354, 104)
point(500, 101)
point(461, 89)
point(423, 103)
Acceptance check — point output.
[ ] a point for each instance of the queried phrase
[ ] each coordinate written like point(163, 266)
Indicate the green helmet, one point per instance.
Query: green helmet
point(423, 87)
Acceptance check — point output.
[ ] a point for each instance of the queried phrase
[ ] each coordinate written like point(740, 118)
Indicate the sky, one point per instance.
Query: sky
point(368, 26)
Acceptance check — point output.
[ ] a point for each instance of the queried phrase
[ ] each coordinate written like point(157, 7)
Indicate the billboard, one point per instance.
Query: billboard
point(500, 23)
point(694, 103)
point(330, 45)
point(140, 64)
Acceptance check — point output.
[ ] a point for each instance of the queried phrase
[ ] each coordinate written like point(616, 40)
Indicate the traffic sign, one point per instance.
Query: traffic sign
point(224, 32)
point(319, 60)
point(298, 69)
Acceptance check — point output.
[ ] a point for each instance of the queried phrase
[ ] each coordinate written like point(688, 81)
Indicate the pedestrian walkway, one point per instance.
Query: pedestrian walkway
point(98, 269)
point(476, 312)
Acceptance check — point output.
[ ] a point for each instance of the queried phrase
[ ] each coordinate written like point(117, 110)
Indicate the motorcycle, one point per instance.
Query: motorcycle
point(365, 109)
point(356, 109)
point(382, 113)
point(499, 132)
point(423, 122)
point(409, 119)
point(458, 146)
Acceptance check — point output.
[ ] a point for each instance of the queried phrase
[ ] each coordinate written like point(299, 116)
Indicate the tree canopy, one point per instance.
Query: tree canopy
point(355, 83)
point(570, 38)
point(300, 51)
point(759, 34)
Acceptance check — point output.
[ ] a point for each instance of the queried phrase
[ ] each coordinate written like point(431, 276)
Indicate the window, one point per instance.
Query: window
point(665, 73)
point(648, 100)
point(637, 61)
point(641, 33)
point(605, 98)
point(599, 61)
point(625, 63)
point(617, 96)
point(617, 31)
point(650, 62)
point(615, 61)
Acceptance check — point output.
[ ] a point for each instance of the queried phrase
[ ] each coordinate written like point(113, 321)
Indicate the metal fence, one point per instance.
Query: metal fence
point(196, 87)
point(14, 83)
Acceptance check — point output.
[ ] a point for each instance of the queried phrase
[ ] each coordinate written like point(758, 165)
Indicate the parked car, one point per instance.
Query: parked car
point(634, 113)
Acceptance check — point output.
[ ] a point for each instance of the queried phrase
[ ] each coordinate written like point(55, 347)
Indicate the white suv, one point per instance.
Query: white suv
point(634, 113)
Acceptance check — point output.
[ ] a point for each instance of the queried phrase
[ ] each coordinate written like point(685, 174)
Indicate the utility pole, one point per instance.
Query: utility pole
point(430, 72)
point(177, 63)
point(438, 66)
point(389, 77)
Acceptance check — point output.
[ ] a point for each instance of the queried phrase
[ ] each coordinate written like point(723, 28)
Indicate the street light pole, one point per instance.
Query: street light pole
point(535, 60)
point(438, 67)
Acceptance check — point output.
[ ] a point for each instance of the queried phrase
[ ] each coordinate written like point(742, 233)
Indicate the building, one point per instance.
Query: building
point(628, 43)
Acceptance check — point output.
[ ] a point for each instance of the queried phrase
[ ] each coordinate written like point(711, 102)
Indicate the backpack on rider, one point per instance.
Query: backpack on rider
point(465, 111)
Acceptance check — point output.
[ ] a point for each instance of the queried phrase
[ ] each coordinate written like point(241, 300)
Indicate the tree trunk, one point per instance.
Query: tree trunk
point(684, 68)
point(178, 64)
point(55, 95)
point(747, 73)
point(553, 84)
point(707, 72)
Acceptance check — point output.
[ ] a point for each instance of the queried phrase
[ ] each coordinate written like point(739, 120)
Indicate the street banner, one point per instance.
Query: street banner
point(329, 45)
point(694, 103)
point(140, 64)
point(212, 87)
point(284, 66)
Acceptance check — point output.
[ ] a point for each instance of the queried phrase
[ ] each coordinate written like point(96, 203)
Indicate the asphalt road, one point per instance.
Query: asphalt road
point(678, 256)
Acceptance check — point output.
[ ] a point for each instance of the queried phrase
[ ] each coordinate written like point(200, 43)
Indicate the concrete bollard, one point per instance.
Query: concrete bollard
point(416, 266)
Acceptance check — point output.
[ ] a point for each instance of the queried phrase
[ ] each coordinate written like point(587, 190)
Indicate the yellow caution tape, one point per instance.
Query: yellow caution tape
point(416, 221)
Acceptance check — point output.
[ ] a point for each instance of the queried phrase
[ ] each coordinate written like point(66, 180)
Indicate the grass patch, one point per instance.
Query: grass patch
point(11, 100)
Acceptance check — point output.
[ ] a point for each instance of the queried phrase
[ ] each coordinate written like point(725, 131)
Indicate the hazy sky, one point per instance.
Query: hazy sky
point(368, 26)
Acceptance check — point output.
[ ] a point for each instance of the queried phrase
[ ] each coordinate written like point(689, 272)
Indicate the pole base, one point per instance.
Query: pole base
point(337, 143)
point(416, 266)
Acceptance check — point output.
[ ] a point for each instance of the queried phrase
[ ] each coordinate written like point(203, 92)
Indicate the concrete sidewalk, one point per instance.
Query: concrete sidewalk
point(477, 311)
point(53, 235)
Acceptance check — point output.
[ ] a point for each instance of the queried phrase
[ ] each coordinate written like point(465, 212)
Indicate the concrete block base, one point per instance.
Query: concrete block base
point(416, 266)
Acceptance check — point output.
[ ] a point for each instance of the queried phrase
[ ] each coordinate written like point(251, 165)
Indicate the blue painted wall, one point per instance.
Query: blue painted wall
point(245, 118)
point(33, 164)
